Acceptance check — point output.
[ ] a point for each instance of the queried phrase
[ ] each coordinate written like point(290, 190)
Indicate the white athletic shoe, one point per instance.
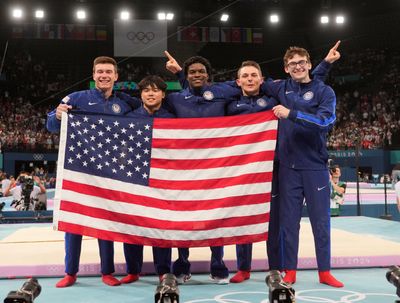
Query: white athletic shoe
point(183, 278)
point(219, 280)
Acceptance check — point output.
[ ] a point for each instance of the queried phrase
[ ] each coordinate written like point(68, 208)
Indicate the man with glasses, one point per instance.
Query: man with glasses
point(307, 113)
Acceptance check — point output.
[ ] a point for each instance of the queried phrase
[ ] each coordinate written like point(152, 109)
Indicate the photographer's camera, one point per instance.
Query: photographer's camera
point(279, 291)
point(26, 294)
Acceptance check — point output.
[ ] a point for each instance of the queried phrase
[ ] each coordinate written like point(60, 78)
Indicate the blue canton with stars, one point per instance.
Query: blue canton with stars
point(108, 146)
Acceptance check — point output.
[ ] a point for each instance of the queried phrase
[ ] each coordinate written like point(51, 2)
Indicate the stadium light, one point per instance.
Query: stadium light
point(274, 18)
point(39, 14)
point(17, 13)
point(324, 19)
point(161, 16)
point(224, 17)
point(80, 14)
point(339, 19)
point(165, 16)
point(124, 15)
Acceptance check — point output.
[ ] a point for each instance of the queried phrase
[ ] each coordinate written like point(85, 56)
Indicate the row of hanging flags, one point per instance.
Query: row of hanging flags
point(100, 32)
point(220, 34)
point(59, 31)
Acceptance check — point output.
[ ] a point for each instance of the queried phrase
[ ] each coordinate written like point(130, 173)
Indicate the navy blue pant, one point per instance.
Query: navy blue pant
point(133, 258)
point(314, 187)
point(244, 251)
point(243, 256)
point(217, 266)
point(274, 250)
point(162, 260)
point(73, 244)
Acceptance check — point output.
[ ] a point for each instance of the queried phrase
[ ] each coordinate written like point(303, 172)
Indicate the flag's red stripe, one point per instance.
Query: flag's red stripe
point(212, 162)
point(212, 183)
point(120, 237)
point(75, 207)
point(114, 195)
point(214, 142)
point(213, 122)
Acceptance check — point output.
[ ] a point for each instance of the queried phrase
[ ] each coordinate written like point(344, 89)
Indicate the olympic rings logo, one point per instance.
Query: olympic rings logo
point(38, 157)
point(140, 37)
point(310, 295)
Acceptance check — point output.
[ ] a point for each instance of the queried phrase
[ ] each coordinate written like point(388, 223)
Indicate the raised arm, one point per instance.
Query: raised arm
point(173, 66)
point(322, 69)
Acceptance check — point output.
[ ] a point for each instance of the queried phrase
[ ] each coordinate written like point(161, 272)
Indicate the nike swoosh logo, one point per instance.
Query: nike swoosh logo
point(288, 92)
point(274, 196)
point(187, 97)
point(239, 105)
point(321, 188)
point(92, 103)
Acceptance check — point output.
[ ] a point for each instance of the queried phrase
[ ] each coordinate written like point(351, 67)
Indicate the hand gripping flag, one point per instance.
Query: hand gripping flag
point(166, 182)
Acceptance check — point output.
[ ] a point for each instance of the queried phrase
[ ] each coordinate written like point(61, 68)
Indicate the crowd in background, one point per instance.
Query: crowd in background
point(367, 85)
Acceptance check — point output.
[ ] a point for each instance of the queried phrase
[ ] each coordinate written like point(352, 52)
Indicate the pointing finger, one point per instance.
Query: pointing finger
point(168, 55)
point(336, 45)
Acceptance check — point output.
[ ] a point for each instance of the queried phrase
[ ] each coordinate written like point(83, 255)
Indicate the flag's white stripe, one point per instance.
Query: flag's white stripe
point(214, 132)
point(206, 153)
point(168, 194)
point(210, 173)
point(164, 234)
point(165, 214)
point(60, 166)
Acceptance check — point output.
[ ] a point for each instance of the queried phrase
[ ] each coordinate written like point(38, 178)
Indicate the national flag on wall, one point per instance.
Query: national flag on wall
point(166, 182)
point(101, 32)
point(226, 34)
point(17, 32)
point(191, 33)
point(205, 34)
point(257, 35)
point(236, 33)
point(214, 34)
point(247, 35)
point(91, 32)
point(69, 30)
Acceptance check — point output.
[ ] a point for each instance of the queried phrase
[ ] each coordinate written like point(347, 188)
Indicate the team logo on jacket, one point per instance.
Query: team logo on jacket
point(116, 108)
point(308, 95)
point(208, 95)
point(261, 102)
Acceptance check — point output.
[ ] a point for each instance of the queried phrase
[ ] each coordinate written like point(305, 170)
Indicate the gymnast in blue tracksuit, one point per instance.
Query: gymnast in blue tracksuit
point(249, 78)
point(250, 102)
point(152, 91)
point(306, 113)
point(200, 99)
point(102, 99)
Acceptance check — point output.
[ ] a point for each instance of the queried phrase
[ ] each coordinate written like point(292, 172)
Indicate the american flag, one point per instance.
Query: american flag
point(166, 182)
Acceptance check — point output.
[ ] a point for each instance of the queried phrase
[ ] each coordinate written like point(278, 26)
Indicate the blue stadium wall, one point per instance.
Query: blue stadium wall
point(376, 161)
point(9, 159)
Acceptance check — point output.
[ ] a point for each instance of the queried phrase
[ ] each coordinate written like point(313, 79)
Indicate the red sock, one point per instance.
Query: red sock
point(326, 277)
point(160, 277)
point(240, 276)
point(68, 280)
point(110, 280)
point(290, 276)
point(130, 278)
